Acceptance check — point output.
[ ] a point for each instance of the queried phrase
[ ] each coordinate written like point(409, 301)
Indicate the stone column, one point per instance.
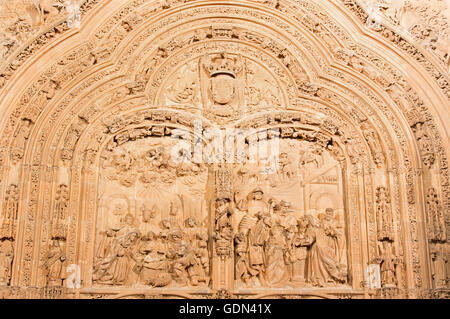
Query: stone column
point(222, 230)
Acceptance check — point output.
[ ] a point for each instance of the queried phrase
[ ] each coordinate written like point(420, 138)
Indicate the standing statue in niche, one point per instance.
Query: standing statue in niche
point(436, 218)
point(55, 265)
point(223, 227)
point(6, 260)
point(374, 144)
point(388, 264)
point(11, 208)
point(59, 227)
point(20, 140)
point(439, 258)
point(425, 144)
point(384, 217)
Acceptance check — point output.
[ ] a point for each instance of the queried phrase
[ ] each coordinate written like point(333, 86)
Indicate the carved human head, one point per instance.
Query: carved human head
point(312, 220)
point(110, 232)
point(302, 222)
point(190, 222)
point(257, 193)
point(149, 236)
point(329, 213)
point(284, 159)
point(165, 223)
point(221, 201)
point(129, 219)
point(290, 232)
point(132, 236)
point(285, 207)
point(119, 208)
point(182, 249)
point(175, 235)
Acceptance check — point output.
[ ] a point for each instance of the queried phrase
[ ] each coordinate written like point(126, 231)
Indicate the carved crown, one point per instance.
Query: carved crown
point(223, 64)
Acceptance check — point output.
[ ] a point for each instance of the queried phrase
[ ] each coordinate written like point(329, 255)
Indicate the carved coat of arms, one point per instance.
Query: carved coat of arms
point(222, 85)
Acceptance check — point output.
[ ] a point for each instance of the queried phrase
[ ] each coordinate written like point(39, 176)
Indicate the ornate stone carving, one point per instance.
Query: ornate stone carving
point(435, 217)
point(425, 145)
point(60, 213)
point(128, 88)
point(223, 227)
point(384, 214)
point(10, 213)
point(6, 260)
point(20, 140)
point(388, 265)
point(374, 143)
point(71, 138)
point(439, 262)
point(55, 265)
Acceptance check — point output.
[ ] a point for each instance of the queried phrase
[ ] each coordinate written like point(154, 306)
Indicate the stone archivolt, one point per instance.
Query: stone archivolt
point(86, 168)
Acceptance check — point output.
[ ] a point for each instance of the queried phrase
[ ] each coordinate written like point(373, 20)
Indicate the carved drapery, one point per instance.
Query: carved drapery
point(183, 74)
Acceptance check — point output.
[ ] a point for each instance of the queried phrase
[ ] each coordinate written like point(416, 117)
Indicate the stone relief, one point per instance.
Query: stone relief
point(304, 239)
point(289, 230)
point(55, 265)
point(152, 234)
point(6, 260)
point(427, 21)
point(221, 86)
point(388, 265)
point(10, 213)
point(157, 234)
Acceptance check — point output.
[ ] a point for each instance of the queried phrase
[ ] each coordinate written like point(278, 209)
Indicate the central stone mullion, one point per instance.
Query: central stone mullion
point(221, 227)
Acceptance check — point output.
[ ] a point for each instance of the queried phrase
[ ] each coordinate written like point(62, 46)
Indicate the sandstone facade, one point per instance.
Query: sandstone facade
point(118, 180)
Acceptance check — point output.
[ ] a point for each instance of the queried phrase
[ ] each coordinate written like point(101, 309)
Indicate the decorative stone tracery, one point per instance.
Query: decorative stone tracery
point(79, 131)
